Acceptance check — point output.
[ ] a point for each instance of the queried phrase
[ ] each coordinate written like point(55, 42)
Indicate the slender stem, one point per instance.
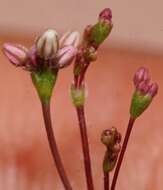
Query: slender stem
point(106, 181)
point(53, 146)
point(85, 147)
point(124, 146)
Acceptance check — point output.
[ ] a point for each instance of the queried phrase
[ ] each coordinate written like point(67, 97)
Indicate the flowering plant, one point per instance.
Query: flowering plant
point(44, 60)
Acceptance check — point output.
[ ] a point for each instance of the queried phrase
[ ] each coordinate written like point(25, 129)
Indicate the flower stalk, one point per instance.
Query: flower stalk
point(43, 61)
point(44, 83)
point(123, 150)
point(53, 145)
point(106, 180)
point(85, 147)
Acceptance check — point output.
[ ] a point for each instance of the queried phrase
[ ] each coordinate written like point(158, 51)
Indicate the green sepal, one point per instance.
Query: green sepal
point(78, 96)
point(139, 104)
point(100, 32)
point(44, 82)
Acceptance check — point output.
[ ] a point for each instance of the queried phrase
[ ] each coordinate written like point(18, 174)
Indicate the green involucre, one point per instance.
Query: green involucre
point(139, 104)
point(44, 82)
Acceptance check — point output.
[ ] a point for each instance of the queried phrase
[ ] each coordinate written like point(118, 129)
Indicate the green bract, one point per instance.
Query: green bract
point(78, 96)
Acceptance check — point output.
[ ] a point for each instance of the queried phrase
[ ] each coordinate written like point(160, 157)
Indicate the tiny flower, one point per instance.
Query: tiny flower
point(70, 39)
point(144, 92)
point(47, 44)
point(16, 54)
point(65, 56)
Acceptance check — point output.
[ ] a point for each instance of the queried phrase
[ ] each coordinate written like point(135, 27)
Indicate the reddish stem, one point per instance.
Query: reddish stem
point(53, 146)
point(121, 156)
point(85, 147)
point(106, 181)
point(82, 75)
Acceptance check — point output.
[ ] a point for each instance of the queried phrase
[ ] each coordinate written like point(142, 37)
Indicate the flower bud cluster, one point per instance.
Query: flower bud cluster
point(142, 83)
point(93, 37)
point(144, 92)
point(111, 138)
point(47, 52)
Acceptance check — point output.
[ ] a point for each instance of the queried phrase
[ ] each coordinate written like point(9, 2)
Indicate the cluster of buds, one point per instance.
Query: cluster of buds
point(144, 92)
point(47, 52)
point(111, 138)
point(93, 36)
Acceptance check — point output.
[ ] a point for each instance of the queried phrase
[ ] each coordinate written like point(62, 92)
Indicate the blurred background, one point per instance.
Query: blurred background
point(136, 40)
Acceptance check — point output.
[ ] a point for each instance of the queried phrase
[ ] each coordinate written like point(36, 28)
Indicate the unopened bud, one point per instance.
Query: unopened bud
point(100, 31)
point(65, 56)
point(16, 54)
point(90, 54)
point(47, 44)
point(106, 14)
point(70, 39)
point(110, 137)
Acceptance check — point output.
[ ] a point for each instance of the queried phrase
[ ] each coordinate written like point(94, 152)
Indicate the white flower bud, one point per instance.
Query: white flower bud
point(47, 44)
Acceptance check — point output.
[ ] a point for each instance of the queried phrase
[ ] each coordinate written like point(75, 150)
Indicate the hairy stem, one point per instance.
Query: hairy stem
point(85, 147)
point(53, 146)
point(106, 181)
point(121, 156)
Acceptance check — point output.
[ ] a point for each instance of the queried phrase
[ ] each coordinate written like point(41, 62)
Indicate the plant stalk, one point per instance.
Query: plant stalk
point(53, 146)
point(106, 181)
point(121, 156)
point(85, 147)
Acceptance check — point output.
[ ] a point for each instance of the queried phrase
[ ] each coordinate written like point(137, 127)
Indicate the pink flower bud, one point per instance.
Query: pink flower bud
point(141, 81)
point(65, 56)
point(143, 87)
point(142, 75)
point(16, 54)
point(70, 39)
point(153, 89)
point(47, 44)
point(106, 14)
